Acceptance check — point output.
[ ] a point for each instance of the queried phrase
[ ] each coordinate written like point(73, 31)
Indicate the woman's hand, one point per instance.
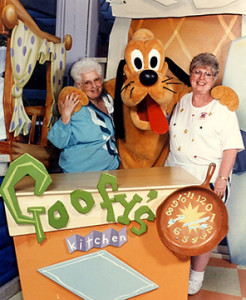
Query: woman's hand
point(67, 107)
point(220, 187)
point(228, 160)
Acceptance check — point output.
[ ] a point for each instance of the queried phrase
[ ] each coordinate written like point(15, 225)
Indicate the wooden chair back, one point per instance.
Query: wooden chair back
point(11, 11)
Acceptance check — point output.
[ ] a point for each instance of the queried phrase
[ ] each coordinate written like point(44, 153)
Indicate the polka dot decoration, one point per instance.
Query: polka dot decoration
point(58, 67)
point(26, 49)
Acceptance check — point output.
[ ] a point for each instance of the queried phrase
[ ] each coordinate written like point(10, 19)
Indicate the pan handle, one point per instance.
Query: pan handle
point(210, 172)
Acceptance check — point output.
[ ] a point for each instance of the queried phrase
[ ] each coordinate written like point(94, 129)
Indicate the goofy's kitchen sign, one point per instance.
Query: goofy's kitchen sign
point(57, 215)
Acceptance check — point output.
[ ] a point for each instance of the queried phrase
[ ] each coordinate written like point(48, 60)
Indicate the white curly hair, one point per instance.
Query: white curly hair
point(85, 65)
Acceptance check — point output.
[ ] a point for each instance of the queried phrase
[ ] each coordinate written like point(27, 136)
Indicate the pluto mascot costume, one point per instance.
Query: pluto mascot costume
point(147, 87)
point(144, 99)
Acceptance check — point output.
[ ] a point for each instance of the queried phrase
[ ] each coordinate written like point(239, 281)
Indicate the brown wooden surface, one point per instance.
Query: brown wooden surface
point(42, 153)
point(33, 112)
point(8, 100)
point(3, 29)
point(47, 155)
point(23, 15)
point(48, 105)
point(5, 147)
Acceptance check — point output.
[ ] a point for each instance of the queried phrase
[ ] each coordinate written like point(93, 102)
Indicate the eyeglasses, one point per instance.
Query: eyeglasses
point(91, 83)
point(198, 73)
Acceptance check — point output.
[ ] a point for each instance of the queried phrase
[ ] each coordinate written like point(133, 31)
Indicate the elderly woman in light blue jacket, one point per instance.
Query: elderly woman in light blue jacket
point(86, 137)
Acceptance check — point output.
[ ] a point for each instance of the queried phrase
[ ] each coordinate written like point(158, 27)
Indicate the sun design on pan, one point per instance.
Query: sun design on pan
point(192, 218)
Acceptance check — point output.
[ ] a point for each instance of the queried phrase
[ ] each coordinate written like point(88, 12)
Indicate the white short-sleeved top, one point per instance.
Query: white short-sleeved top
point(199, 135)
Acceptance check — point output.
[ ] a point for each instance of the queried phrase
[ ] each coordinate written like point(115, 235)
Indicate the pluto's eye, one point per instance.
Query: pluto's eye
point(137, 60)
point(154, 59)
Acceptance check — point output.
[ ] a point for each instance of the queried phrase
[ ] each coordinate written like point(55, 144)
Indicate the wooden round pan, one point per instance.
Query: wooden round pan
point(192, 220)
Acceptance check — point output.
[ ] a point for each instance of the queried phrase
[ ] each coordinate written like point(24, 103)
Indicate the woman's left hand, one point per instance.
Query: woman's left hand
point(220, 187)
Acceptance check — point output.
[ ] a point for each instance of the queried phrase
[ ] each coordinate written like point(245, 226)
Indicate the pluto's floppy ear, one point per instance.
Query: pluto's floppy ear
point(178, 72)
point(118, 104)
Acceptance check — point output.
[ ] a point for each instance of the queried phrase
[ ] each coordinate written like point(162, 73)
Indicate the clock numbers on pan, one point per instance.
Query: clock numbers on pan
point(191, 218)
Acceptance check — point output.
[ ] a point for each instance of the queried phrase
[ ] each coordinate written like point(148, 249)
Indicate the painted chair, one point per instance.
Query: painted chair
point(27, 45)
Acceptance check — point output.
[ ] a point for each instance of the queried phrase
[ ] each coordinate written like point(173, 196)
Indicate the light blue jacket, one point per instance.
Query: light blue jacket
point(87, 141)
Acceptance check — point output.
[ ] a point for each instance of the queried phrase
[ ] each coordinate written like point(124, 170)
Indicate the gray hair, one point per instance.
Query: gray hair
point(85, 65)
point(205, 60)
